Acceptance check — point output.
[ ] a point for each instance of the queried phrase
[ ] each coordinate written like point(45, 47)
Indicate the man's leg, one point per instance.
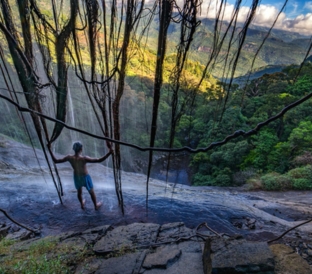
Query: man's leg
point(79, 195)
point(93, 197)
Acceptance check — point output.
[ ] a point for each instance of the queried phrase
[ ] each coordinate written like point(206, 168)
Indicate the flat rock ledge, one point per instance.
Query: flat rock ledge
point(173, 248)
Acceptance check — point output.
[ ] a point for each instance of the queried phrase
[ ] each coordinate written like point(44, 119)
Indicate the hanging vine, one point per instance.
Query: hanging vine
point(106, 33)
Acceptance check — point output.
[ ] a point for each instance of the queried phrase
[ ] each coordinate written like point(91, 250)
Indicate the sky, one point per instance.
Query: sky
point(297, 15)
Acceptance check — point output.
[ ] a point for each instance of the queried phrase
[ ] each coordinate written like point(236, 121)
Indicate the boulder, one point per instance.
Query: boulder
point(120, 265)
point(125, 237)
point(288, 262)
point(175, 258)
point(162, 257)
point(171, 230)
point(241, 256)
point(94, 234)
point(4, 231)
point(22, 234)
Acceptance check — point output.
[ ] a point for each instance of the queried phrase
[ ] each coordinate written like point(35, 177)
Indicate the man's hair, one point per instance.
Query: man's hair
point(77, 146)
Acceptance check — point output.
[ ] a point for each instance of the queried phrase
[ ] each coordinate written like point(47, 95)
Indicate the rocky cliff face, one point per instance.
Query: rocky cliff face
point(152, 248)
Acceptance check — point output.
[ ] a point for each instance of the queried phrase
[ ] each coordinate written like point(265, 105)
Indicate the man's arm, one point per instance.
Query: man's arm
point(55, 160)
point(98, 160)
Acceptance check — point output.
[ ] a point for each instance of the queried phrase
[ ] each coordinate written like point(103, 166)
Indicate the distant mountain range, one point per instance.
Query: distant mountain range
point(257, 73)
point(280, 48)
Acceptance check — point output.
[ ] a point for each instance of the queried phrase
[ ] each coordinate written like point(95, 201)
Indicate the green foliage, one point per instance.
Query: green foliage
point(302, 184)
point(263, 145)
point(275, 181)
point(223, 180)
point(200, 157)
point(202, 180)
point(301, 137)
point(301, 177)
point(297, 178)
point(273, 150)
point(301, 87)
point(278, 158)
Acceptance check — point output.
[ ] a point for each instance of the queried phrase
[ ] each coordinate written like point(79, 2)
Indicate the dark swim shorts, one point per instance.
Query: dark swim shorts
point(83, 180)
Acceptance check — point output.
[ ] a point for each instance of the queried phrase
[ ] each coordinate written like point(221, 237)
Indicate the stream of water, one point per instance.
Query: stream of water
point(32, 199)
point(29, 196)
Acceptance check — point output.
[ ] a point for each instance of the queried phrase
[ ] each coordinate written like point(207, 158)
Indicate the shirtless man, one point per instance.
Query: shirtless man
point(81, 176)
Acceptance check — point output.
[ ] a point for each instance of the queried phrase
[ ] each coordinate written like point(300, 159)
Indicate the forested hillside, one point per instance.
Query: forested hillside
point(279, 156)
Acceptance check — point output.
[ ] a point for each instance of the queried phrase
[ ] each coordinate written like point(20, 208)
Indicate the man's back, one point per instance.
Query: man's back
point(81, 176)
point(79, 164)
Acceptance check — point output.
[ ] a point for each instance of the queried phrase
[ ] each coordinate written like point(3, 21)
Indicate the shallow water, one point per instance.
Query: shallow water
point(32, 199)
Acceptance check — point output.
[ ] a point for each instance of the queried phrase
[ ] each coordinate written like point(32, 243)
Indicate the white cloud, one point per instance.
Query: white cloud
point(265, 16)
point(213, 8)
point(308, 6)
point(301, 24)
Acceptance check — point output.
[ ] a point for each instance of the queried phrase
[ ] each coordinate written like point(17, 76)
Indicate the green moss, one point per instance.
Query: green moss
point(43, 256)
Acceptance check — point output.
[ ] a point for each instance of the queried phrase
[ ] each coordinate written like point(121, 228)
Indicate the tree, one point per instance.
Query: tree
point(300, 139)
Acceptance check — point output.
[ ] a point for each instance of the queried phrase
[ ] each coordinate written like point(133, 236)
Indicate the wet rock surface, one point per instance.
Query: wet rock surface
point(127, 237)
point(241, 256)
point(171, 248)
point(29, 196)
